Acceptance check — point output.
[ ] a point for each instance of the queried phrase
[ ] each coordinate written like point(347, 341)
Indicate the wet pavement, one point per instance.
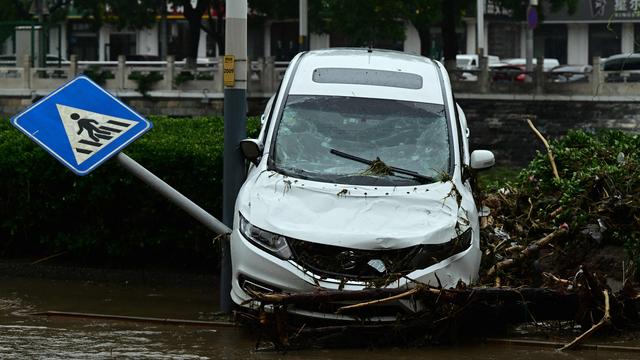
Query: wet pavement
point(25, 336)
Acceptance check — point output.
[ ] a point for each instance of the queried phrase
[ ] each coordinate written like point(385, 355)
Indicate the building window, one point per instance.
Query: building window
point(636, 37)
point(83, 41)
point(504, 39)
point(604, 40)
point(121, 44)
point(178, 34)
point(550, 41)
point(284, 40)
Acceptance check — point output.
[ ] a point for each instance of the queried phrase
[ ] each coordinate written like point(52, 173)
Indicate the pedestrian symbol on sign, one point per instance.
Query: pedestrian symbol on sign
point(89, 131)
point(87, 124)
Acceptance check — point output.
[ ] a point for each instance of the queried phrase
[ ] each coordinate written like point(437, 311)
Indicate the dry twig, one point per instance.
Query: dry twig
point(556, 279)
point(604, 321)
point(554, 168)
point(379, 301)
point(528, 251)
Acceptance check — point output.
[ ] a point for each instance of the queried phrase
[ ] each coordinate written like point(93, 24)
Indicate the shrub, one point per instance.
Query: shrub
point(145, 80)
point(99, 76)
point(596, 196)
point(109, 216)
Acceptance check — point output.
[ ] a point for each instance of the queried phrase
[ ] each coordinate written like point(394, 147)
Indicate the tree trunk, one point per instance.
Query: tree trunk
point(424, 32)
point(194, 19)
point(215, 29)
point(217, 4)
point(449, 37)
point(193, 42)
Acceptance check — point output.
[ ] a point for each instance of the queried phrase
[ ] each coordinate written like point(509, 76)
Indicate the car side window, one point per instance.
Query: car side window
point(459, 132)
point(270, 113)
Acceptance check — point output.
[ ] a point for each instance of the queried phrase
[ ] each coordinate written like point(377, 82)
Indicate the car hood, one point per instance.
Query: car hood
point(360, 217)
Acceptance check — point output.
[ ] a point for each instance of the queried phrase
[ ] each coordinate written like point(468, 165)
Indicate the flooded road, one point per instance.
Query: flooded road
point(25, 336)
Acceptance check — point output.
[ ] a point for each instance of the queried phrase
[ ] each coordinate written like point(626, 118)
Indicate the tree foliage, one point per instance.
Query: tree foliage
point(123, 13)
point(12, 10)
point(137, 14)
point(362, 22)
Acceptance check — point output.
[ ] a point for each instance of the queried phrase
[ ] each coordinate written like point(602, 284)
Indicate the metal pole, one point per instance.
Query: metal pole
point(303, 38)
point(33, 30)
point(59, 45)
point(172, 194)
point(42, 56)
point(163, 31)
point(529, 49)
point(235, 119)
point(529, 37)
point(480, 27)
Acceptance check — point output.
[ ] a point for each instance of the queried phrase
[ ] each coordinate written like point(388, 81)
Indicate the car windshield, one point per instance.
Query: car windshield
point(326, 138)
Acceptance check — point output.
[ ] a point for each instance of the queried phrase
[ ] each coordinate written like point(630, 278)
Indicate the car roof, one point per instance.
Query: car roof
point(571, 66)
point(369, 59)
point(622, 62)
point(623, 56)
point(524, 60)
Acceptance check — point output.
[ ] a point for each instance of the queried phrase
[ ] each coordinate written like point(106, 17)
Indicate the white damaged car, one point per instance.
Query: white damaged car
point(360, 178)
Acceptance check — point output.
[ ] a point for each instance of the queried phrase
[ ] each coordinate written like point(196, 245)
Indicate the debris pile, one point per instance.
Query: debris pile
point(446, 315)
point(587, 214)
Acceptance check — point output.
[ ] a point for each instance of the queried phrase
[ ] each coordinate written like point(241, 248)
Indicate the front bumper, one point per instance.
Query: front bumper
point(258, 267)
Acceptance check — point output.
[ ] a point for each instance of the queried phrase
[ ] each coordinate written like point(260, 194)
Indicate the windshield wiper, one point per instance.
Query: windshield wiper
point(394, 169)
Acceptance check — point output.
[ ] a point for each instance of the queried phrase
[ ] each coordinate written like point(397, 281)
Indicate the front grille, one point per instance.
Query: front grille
point(329, 261)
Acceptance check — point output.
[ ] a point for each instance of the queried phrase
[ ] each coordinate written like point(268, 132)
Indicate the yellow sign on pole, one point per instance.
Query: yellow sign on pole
point(229, 70)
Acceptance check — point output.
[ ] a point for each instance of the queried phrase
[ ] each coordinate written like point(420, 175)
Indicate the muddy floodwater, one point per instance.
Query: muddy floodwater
point(27, 336)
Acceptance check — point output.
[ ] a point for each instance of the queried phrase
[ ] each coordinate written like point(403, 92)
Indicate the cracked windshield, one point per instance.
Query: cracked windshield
point(316, 132)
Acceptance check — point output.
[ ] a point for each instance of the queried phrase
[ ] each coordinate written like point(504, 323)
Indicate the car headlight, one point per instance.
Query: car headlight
point(268, 241)
point(430, 254)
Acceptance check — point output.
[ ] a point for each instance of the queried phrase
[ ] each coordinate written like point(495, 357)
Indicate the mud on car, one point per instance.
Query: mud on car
point(359, 178)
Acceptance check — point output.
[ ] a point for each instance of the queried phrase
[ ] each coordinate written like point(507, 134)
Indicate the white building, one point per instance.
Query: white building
point(598, 28)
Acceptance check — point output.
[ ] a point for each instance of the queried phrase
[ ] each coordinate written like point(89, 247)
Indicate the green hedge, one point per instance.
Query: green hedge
point(108, 216)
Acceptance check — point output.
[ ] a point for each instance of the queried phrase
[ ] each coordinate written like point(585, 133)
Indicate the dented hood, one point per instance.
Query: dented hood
point(361, 217)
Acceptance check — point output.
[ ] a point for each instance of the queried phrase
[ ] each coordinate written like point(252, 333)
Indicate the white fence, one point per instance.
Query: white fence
point(263, 76)
point(513, 81)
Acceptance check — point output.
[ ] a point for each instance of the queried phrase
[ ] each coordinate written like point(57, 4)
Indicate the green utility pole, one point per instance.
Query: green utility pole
point(235, 120)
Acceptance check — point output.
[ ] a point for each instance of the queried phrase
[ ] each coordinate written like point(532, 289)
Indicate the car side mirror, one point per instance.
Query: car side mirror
point(252, 150)
point(482, 159)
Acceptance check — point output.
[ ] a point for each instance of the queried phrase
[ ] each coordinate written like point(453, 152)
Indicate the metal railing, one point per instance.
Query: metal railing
point(513, 80)
point(264, 76)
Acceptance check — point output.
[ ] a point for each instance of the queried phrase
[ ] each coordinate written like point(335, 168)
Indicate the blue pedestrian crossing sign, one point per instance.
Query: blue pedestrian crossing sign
point(81, 124)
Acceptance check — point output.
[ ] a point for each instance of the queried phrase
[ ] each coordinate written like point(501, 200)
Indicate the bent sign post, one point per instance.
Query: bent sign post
point(82, 126)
